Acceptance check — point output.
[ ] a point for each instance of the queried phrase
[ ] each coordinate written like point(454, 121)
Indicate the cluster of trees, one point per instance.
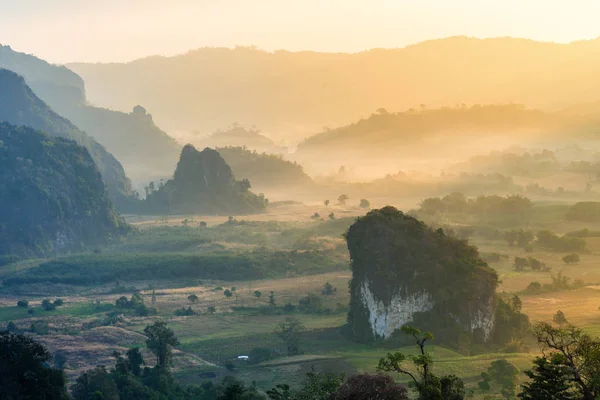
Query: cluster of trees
point(588, 211)
point(559, 283)
point(521, 263)
point(551, 241)
point(136, 303)
point(515, 207)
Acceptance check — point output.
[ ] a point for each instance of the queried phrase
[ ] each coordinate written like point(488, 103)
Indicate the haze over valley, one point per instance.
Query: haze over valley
point(369, 208)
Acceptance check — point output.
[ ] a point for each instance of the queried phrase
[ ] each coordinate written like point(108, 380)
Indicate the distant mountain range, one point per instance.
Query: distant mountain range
point(132, 137)
point(297, 93)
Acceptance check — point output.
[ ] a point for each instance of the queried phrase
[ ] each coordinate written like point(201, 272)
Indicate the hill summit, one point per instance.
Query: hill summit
point(203, 182)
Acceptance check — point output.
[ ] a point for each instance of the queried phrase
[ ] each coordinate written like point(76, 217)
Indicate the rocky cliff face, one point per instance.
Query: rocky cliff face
point(204, 183)
point(407, 273)
point(52, 195)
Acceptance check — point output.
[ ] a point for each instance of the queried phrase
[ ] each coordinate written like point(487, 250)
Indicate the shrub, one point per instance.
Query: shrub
point(572, 258)
point(289, 308)
point(58, 302)
point(553, 242)
point(534, 287)
point(328, 289)
point(193, 298)
point(257, 294)
point(47, 305)
point(23, 303)
point(184, 312)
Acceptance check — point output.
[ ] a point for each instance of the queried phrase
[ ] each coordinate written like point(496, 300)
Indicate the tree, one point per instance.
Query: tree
point(211, 310)
point(193, 298)
point(342, 199)
point(574, 351)
point(58, 302)
point(326, 202)
point(23, 303)
point(364, 203)
point(160, 340)
point(25, 372)
point(135, 361)
point(97, 383)
point(272, 299)
point(228, 293)
point(516, 303)
point(257, 294)
point(549, 379)
point(521, 263)
point(331, 216)
point(427, 385)
point(559, 318)
point(203, 224)
point(47, 305)
point(328, 289)
point(371, 387)
point(289, 331)
point(571, 258)
point(503, 373)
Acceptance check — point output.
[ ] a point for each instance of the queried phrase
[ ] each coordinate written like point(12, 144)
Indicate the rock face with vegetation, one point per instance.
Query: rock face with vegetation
point(52, 195)
point(20, 106)
point(405, 272)
point(203, 182)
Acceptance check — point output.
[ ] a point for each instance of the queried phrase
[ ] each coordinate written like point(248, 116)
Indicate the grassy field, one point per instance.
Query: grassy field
point(244, 321)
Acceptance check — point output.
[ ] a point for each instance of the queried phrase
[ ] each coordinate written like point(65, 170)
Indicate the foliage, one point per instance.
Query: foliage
point(343, 198)
point(54, 195)
point(588, 211)
point(551, 241)
point(93, 269)
point(316, 387)
point(259, 354)
point(257, 294)
point(422, 380)
point(25, 372)
point(160, 340)
point(364, 203)
point(193, 298)
point(570, 365)
point(203, 182)
point(521, 237)
point(185, 312)
point(272, 299)
point(25, 109)
point(549, 379)
point(228, 293)
point(97, 380)
point(328, 289)
point(289, 331)
point(559, 318)
point(23, 303)
point(502, 373)
point(371, 387)
point(572, 258)
point(511, 323)
point(449, 270)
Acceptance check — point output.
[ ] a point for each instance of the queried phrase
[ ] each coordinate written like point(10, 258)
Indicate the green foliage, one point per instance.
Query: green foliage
point(449, 270)
point(364, 203)
point(422, 380)
point(25, 108)
point(47, 305)
point(54, 195)
point(193, 298)
point(317, 386)
point(160, 340)
point(367, 386)
point(572, 258)
point(25, 371)
point(228, 293)
point(210, 188)
point(185, 312)
point(551, 241)
point(94, 269)
point(504, 374)
point(289, 331)
point(328, 289)
point(549, 379)
point(559, 318)
point(511, 324)
point(588, 211)
point(272, 299)
point(23, 303)
point(257, 294)
point(521, 237)
point(94, 384)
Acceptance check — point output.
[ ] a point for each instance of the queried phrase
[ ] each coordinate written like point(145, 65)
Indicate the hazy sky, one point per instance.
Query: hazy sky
point(121, 30)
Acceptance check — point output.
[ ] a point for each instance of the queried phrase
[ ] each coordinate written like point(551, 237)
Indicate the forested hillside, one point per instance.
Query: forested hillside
point(20, 106)
point(142, 147)
point(52, 195)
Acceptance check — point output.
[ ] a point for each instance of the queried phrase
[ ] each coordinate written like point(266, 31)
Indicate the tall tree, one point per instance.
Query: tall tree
point(25, 372)
point(160, 340)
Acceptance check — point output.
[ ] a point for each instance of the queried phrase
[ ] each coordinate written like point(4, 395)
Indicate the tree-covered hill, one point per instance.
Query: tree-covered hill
point(203, 182)
point(262, 169)
point(20, 106)
point(52, 195)
point(142, 147)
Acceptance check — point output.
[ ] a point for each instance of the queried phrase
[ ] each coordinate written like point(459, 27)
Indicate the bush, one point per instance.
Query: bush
point(553, 242)
point(47, 305)
point(328, 289)
point(311, 303)
point(184, 312)
point(289, 308)
point(23, 303)
point(587, 211)
point(572, 258)
point(259, 354)
point(58, 302)
point(534, 288)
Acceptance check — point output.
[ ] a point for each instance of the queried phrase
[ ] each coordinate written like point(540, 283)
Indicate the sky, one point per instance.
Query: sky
point(64, 31)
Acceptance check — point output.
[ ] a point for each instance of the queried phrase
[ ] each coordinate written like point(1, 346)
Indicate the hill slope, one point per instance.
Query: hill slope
point(203, 182)
point(132, 137)
point(303, 91)
point(20, 106)
point(52, 195)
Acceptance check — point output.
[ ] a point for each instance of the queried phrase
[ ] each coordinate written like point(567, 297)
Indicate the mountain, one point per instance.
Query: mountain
point(300, 92)
point(264, 170)
point(20, 106)
point(143, 148)
point(238, 136)
point(52, 195)
point(204, 183)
